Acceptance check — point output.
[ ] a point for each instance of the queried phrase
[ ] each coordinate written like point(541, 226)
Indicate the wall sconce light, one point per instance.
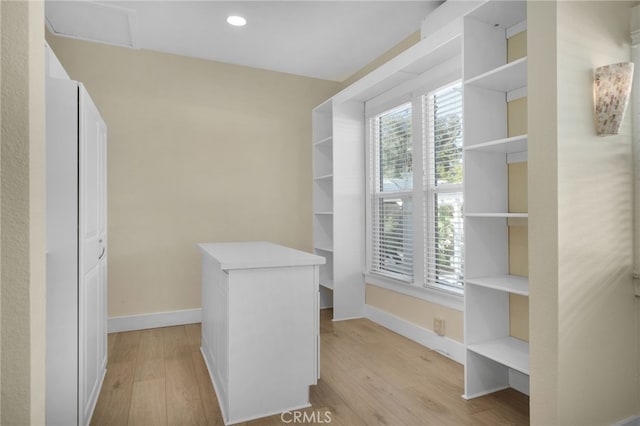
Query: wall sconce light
point(612, 89)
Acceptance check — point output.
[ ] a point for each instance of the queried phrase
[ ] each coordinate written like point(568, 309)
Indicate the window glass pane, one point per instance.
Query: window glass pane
point(447, 132)
point(393, 235)
point(448, 239)
point(396, 152)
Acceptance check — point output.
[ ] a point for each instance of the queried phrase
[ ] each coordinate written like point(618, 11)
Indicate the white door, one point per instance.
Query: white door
point(92, 253)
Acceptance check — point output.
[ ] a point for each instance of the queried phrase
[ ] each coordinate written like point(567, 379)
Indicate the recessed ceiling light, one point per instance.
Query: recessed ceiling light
point(236, 21)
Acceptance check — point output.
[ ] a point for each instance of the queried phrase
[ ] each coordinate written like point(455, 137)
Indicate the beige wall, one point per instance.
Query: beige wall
point(517, 112)
point(198, 151)
point(416, 311)
point(22, 211)
point(584, 334)
point(518, 193)
point(518, 248)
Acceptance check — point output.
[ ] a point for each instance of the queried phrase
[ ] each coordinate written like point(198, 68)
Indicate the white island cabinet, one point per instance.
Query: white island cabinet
point(260, 327)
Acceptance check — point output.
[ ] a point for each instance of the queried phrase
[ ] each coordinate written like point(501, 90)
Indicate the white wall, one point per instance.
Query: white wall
point(584, 332)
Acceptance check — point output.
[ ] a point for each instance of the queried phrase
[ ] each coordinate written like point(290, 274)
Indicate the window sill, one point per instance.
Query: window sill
point(441, 297)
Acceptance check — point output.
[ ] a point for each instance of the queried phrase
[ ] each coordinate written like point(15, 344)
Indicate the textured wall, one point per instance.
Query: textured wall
point(22, 211)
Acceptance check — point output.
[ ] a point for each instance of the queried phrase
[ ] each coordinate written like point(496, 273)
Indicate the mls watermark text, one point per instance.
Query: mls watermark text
point(315, 417)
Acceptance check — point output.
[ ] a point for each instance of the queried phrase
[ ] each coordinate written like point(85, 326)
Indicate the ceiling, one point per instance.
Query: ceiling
point(323, 39)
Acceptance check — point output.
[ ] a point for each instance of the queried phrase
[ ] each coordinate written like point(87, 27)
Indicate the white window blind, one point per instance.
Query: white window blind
point(443, 196)
point(391, 158)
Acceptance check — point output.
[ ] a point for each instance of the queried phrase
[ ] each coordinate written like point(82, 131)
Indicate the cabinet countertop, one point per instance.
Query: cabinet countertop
point(258, 254)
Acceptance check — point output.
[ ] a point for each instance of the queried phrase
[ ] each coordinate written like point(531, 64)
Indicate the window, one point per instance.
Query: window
point(392, 189)
point(415, 191)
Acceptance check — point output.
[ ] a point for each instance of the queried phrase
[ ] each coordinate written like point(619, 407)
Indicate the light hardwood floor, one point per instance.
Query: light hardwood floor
point(369, 376)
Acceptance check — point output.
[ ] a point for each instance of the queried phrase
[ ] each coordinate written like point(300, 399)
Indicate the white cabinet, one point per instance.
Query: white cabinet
point(260, 327)
point(76, 249)
point(494, 359)
point(338, 204)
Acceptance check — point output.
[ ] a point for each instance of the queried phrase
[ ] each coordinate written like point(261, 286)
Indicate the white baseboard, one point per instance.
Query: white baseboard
point(447, 347)
point(155, 320)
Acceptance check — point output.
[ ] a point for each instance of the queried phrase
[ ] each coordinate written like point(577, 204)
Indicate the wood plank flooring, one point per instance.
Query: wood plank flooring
point(369, 376)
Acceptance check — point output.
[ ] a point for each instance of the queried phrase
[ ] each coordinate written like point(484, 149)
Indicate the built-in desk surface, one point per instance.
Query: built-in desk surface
point(260, 254)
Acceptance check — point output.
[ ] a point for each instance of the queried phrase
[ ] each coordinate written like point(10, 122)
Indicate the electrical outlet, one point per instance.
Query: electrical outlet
point(438, 326)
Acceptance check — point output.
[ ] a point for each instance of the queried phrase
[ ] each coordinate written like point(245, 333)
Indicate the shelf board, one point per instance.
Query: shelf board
point(324, 248)
point(322, 141)
point(327, 284)
point(513, 353)
point(509, 283)
point(499, 215)
point(323, 213)
point(504, 146)
point(324, 177)
point(506, 78)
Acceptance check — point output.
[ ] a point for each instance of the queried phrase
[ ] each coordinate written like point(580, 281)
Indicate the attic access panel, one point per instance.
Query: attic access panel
point(92, 21)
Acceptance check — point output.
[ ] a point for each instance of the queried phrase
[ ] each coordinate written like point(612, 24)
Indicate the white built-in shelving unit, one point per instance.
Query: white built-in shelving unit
point(494, 359)
point(323, 194)
point(338, 205)
point(339, 170)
